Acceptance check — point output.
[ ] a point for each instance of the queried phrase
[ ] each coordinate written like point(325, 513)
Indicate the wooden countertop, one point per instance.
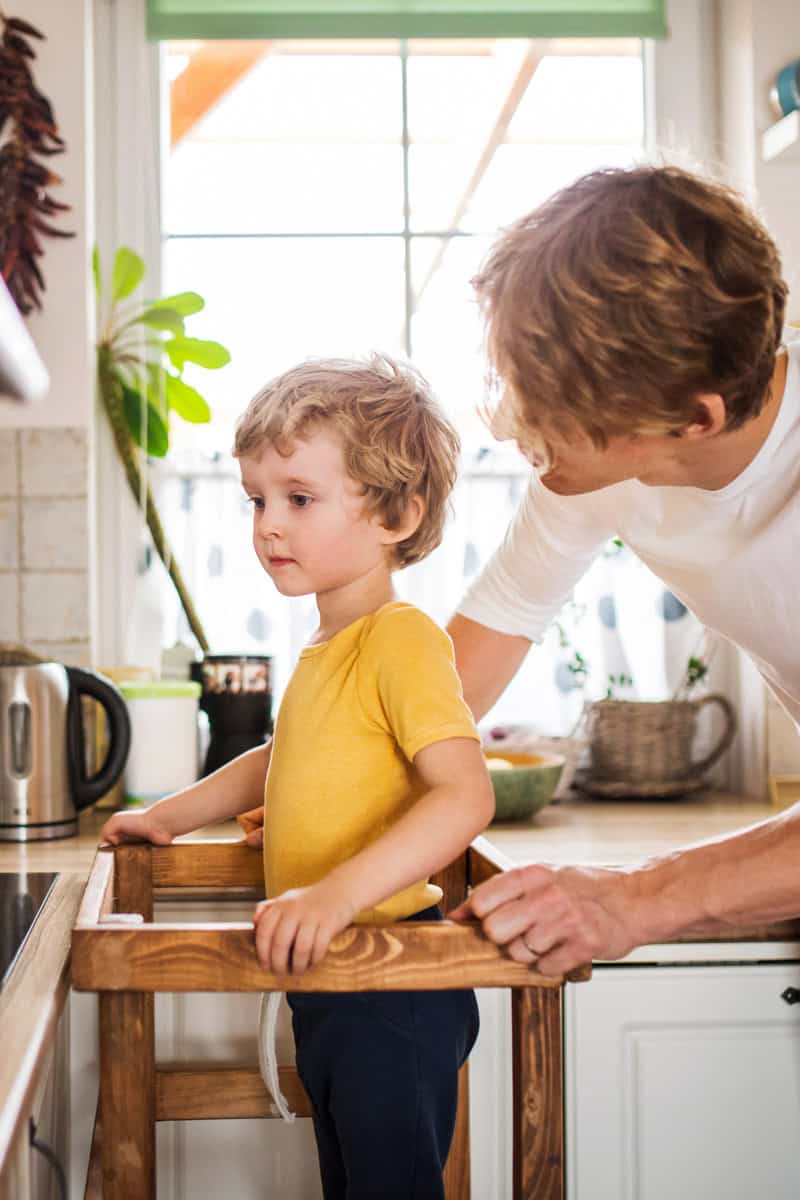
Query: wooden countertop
point(580, 831)
point(619, 832)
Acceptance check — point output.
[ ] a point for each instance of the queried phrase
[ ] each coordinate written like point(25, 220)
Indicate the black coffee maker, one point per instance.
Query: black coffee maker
point(237, 698)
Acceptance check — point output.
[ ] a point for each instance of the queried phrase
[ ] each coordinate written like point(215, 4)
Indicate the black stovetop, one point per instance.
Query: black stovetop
point(22, 895)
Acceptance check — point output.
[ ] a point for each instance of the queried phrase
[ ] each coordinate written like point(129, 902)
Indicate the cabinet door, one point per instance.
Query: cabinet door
point(683, 1082)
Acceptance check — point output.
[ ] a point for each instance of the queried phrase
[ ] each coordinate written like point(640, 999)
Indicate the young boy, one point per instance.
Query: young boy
point(376, 777)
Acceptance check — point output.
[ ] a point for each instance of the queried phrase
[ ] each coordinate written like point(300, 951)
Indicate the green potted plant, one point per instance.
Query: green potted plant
point(645, 748)
point(142, 349)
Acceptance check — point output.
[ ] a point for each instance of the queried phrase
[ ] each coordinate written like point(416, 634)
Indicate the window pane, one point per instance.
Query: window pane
point(493, 134)
point(275, 301)
point(302, 142)
point(446, 329)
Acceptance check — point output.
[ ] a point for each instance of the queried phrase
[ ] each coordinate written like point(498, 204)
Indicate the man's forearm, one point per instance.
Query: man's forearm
point(744, 879)
point(486, 661)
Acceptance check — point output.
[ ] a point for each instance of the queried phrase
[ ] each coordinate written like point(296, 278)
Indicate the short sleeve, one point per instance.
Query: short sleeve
point(408, 681)
point(551, 542)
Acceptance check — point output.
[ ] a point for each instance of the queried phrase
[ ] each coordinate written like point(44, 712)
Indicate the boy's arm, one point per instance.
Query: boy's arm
point(295, 929)
point(234, 788)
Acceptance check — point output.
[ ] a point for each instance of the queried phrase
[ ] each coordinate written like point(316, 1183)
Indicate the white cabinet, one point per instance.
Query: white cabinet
point(683, 1081)
point(29, 1174)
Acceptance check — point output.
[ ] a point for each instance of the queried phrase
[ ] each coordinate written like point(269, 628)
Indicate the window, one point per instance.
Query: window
point(336, 197)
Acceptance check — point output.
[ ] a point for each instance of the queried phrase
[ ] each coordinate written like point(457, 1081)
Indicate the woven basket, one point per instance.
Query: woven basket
point(651, 742)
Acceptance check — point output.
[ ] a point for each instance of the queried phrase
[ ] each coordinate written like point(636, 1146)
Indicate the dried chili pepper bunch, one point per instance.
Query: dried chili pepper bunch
point(28, 131)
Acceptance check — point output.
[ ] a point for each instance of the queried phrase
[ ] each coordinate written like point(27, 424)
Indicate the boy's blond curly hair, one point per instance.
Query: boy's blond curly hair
point(612, 306)
point(397, 442)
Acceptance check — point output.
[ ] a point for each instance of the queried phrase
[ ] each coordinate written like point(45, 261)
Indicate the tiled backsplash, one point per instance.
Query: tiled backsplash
point(44, 541)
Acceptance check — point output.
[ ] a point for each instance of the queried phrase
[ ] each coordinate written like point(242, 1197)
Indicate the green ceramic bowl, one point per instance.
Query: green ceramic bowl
point(526, 786)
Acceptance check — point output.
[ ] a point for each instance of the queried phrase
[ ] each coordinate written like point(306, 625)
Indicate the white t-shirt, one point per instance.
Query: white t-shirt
point(732, 556)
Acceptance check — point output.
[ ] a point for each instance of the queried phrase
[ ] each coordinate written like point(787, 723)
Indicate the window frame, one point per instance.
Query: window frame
point(681, 120)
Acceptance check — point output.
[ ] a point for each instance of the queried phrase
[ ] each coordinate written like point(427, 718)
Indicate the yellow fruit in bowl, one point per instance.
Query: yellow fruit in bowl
point(523, 783)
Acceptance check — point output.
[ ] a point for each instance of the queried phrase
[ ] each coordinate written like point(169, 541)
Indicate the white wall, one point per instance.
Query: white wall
point(46, 516)
point(756, 39)
point(63, 330)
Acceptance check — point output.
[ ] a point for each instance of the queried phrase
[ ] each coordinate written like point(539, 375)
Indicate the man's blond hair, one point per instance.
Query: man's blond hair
point(623, 297)
point(397, 442)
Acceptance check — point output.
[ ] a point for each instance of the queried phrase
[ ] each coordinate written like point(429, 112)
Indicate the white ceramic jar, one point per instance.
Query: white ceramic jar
point(164, 753)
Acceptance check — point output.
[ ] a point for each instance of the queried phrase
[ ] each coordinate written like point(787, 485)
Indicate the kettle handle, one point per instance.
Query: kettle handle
point(87, 789)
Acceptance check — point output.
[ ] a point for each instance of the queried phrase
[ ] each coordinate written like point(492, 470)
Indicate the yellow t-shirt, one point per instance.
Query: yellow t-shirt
point(356, 711)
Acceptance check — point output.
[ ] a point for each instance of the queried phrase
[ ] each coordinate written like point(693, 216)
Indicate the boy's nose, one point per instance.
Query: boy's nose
point(267, 524)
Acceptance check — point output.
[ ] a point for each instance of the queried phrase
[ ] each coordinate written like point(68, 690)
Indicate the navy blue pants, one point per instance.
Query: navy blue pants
point(381, 1070)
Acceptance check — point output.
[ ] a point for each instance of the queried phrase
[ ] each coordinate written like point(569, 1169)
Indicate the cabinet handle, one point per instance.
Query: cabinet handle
point(51, 1156)
point(791, 995)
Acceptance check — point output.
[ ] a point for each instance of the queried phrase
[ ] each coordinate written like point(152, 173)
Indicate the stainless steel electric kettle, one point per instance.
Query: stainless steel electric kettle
point(44, 781)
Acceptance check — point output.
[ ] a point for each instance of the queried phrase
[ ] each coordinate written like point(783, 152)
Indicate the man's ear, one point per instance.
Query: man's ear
point(410, 523)
point(711, 417)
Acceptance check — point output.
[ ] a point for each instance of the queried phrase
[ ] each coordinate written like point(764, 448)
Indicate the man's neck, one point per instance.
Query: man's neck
point(737, 449)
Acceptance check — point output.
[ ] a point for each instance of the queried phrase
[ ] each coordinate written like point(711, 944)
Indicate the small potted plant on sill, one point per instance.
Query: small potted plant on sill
point(644, 748)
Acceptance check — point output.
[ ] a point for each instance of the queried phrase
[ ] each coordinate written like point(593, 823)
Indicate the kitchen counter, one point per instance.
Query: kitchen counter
point(619, 832)
point(582, 831)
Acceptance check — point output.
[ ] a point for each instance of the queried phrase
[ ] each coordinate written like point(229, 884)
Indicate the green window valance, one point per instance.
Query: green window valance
point(404, 18)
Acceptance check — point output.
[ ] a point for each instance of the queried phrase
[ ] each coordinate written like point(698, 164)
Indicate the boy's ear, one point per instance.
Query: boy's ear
point(412, 517)
point(711, 416)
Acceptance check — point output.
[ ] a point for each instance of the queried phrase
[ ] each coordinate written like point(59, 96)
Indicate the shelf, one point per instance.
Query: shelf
point(782, 140)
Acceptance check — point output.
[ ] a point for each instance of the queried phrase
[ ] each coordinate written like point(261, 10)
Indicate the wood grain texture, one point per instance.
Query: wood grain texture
point(453, 882)
point(133, 880)
point(127, 1095)
point(538, 1095)
point(200, 1093)
point(31, 1004)
point(457, 1167)
point(428, 956)
point(217, 864)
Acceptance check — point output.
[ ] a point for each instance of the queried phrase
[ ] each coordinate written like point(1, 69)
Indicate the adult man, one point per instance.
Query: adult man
point(635, 322)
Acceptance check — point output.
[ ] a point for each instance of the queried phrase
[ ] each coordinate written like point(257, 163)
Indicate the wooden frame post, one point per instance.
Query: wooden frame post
point(127, 1056)
point(538, 1094)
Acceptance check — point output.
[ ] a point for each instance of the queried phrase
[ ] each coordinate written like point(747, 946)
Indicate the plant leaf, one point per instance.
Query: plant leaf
point(157, 433)
point(157, 390)
point(98, 279)
point(185, 303)
point(161, 318)
point(186, 401)
point(210, 355)
point(127, 274)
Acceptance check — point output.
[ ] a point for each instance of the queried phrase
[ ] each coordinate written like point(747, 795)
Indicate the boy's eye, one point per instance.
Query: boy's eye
point(298, 500)
point(256, 502)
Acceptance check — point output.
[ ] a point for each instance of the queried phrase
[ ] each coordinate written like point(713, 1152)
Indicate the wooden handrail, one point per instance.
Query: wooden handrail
point(218, 864)
point(212, 957)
